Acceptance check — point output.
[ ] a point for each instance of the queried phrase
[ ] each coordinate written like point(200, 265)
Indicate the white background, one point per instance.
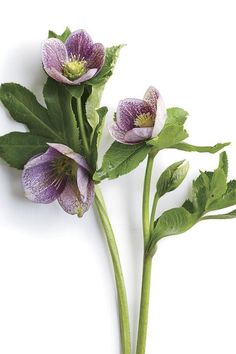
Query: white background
point(56, 285)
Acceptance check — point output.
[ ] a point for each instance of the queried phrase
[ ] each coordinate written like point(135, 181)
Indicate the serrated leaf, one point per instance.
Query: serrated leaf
point(111, 57)
point(24, 108)
point(173, 131)
point(223, 162)
point(121, 159)
point(230, 215)
point(194, 148)
point(62, 37)
point(218, 186)
point(17, 148)
point(172, 177)
point(58, 101)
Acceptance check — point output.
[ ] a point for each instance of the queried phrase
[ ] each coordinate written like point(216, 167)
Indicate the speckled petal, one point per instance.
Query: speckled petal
point(57, 75)
point(79, 44)
point(151, 96)
point(88, 75)
point(65, 150)
point(117, 133)
point(71, 201)
point(160, 117)
point(136, 135)
point(97, 57)
point(40, 183)
point(54, 54)
point(128, 110)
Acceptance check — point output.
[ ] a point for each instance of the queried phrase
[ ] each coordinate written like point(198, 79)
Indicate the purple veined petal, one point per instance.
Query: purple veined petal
point(79, 44)
point(58, 76)
point(65, 150)
point(117, 133)
point(48, 156)
point(54, 54)
point(128, 110)
point(82, 182)
point(70, 199)
point(88, 75)
point(160, 117)
point(151, 96)
point(137, 135)
point(40, 183)
point(96, 60)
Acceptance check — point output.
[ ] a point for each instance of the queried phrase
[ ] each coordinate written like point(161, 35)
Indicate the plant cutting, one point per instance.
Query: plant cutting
point(58, 154)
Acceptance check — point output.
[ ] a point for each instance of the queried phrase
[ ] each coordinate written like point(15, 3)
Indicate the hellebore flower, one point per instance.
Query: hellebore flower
point(60, 174)
point(137, 120)
point(75, 61)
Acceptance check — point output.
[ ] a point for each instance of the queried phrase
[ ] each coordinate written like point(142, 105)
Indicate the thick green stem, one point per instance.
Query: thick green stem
point(144, 305)
point(82, 127)
point(146, 198)
point(120, 285)
point(153, 213)
point(147, 261)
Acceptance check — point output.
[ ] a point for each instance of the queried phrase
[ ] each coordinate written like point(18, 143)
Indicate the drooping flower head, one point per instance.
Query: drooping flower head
point(138, 120)
point(75, 61)
point(60, 174)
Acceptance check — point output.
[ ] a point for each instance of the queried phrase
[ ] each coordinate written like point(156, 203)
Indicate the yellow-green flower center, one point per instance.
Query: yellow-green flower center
point(144, 120)
point(73, 69)
point(65, 167)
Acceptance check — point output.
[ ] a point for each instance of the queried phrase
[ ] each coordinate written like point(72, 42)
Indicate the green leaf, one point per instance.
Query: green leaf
point(121, 159)
point(92, 105)
point(200, 191)
point(62, 37)
point(17, 148)
point(218, 186)
point(172, 177)
point(105, 73)
point(223, 162)
point(230, 215)
point(195, 148)
point(173, 130)
point(58, 101)
point(97, 135)
point(24, 108)
point(172, 222)
point(226, 200)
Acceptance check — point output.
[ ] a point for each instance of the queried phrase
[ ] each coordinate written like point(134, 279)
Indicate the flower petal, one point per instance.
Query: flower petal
point(54, 54)
point(151, 96)
point(117, 133)
point(57, 75)
point(40, 183)
point(160, 117)
point(70, 199)
point(79, 44)
point(97, 57)
point(136, 135)
point(65, 150)
point(128, 110)
point(88, 75)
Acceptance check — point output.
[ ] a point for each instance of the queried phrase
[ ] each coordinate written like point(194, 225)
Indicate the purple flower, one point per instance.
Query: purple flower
point(76, 61)
point(60, 174)
point(138, 120)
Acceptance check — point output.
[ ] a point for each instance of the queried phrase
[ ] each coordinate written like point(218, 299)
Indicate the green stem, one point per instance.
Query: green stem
point(121, 292)
point(82, 127)
point(153, 213)
point(146, 198)
point(144, 305)
point(147, 261)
